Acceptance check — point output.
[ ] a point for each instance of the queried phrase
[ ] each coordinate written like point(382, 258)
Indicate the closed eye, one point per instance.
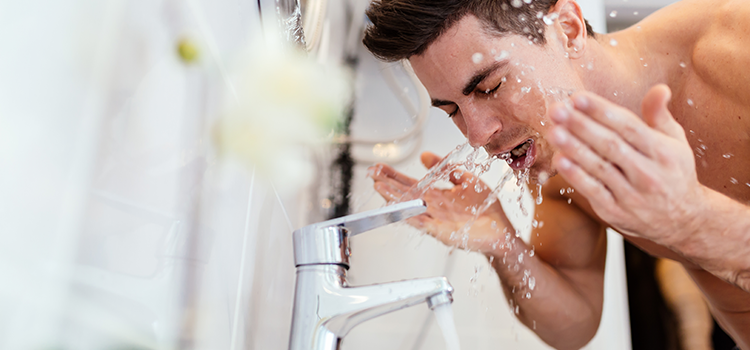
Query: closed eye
point(489, 91)
point(453, 114)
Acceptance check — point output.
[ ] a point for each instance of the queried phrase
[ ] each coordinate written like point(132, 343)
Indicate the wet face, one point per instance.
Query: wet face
point(497, 89)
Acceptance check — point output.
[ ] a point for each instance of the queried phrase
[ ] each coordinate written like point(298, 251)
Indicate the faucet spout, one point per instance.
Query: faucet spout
point(367, 302)
point(333, 308)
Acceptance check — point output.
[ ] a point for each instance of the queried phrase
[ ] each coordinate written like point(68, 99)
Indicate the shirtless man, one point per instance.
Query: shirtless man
point(655, 140)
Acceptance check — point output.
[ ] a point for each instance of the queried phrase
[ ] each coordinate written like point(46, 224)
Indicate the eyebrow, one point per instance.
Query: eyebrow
point(479, 76)
point(472, 84)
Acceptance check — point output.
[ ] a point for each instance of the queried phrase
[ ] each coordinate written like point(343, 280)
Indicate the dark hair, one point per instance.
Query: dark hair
point(403, 28)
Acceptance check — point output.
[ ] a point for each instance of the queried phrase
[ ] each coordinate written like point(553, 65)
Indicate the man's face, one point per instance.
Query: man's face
point(497, 89)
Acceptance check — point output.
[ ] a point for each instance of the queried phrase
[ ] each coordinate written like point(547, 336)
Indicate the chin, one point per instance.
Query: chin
point(541, 174)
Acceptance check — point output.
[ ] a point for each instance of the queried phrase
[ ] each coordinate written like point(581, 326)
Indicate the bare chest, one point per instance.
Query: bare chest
point(718, 130)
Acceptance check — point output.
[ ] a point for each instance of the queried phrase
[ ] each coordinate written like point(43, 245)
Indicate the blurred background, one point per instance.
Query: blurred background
point(157, 156)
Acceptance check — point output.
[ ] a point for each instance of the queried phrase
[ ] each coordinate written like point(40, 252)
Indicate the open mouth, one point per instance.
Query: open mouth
point(522, 156)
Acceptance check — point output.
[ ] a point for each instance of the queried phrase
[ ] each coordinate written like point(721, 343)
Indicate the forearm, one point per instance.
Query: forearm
point(562, 308)
point(719, 240)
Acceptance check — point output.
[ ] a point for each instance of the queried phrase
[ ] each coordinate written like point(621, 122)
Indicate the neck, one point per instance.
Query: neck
point(620, 68)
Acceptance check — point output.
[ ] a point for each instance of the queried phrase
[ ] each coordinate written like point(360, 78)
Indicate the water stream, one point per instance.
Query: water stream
point(444, 316)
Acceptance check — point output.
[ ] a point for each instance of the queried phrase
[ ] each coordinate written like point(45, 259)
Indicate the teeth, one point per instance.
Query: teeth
point(521, 150)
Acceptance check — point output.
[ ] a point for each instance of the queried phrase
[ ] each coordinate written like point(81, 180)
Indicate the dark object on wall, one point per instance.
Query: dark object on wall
point(652, 324)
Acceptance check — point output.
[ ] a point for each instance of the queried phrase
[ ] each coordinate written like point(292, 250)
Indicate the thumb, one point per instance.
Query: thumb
point(657, 115)
point(429, 159)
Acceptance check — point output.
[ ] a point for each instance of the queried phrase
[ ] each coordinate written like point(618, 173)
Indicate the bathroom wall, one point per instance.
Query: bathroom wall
point(121, 227)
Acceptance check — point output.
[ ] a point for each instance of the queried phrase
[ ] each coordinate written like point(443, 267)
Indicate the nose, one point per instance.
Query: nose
point(480, 123)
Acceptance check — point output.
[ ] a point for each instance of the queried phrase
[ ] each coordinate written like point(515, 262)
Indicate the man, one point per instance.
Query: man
point(654, 139)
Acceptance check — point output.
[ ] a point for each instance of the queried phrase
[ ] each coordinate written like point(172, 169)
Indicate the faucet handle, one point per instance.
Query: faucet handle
point(372, 219)
point(327, 242)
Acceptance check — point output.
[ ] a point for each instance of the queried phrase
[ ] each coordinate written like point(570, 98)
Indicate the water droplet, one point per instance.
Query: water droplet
point(683, 65)
point(645, 64)
point(690, 102)
point(613, 42)
point(477, 58)
point(503, 55)
point(525, 89)
point(532, 283)
point(635, 13)
point(528, 295)
point(539, 14)
point(613, 14)
point(727, 155)
point(550, 18)
point(733, 181)
point(516, 3)
point(478, 187)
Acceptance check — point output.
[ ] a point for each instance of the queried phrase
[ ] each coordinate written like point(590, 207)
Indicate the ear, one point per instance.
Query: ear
point(571, 27)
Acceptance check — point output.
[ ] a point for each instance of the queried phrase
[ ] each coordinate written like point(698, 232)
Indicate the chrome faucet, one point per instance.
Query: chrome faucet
point(326, 308)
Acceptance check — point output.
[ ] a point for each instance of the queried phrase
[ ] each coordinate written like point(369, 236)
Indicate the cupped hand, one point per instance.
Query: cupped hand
point(448, 210)
point(638, 174)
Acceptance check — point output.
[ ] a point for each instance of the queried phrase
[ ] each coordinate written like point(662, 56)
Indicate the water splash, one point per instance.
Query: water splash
point(466, 156)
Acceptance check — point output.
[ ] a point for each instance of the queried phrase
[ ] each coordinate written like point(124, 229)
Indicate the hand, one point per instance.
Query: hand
point(638, 175)
point(448, 210)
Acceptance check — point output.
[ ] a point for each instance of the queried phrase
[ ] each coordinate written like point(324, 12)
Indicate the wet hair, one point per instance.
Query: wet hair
point(403, 28)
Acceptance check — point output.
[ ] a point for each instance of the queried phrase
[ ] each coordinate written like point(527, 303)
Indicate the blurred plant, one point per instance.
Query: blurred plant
point(286, 104)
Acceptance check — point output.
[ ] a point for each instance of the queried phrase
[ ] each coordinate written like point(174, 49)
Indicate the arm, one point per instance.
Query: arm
point(567, 264)
point(640, 177)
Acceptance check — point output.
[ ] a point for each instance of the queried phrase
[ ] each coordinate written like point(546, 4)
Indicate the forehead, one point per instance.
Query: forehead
point(463, 50)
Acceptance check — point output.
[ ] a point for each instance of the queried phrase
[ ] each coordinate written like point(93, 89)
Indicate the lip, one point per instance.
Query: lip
point(523, 162)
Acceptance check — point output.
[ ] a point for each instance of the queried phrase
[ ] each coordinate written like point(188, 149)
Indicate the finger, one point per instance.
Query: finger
point(620, 120)
point(598, 168)
point(605, 142)
point(384, 171)
point(657, 115)
point(390, 190)
point(462, 177)
point(429, 159)
point(598, 195)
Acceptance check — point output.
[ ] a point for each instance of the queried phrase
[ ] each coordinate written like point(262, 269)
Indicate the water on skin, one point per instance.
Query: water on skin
point(444, 316)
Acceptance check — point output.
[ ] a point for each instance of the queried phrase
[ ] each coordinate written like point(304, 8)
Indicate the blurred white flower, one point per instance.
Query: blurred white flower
point(287, 104)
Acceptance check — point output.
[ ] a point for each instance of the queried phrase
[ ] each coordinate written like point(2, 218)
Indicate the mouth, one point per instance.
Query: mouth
point(522, 156)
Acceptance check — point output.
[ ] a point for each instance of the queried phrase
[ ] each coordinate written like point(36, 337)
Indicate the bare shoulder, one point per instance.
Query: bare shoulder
point(723, 49)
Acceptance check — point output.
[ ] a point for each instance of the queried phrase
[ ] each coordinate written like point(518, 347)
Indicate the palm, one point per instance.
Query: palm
point(449, 210)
